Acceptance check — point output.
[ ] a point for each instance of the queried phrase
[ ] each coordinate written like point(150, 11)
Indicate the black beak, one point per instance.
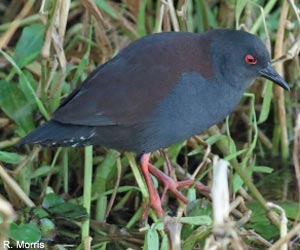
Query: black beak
point(270, 73)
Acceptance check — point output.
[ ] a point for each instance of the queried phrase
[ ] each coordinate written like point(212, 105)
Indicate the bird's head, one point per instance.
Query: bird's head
point(241, 57)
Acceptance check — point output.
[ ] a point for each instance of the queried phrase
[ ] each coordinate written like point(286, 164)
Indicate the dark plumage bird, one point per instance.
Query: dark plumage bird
point(161, 89)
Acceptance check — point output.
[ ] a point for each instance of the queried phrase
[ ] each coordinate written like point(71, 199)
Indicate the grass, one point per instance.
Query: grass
point(95, 198)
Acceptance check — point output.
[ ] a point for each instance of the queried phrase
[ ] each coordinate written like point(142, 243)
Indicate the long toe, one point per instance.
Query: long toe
point(170, 184)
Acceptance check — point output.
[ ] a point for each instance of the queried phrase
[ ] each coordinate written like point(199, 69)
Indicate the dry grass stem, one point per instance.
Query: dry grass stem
point(296, 152)
point(113, 195)
point(173, 229)
point(283, 223)
point(7, 215)
point(4, 39)
point(173, 15)
point(294, 231)
point(220, 192)
point(279, 92)
point(14, 187)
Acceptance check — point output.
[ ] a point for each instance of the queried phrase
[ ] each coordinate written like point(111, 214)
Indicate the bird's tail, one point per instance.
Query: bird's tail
point(54, 133)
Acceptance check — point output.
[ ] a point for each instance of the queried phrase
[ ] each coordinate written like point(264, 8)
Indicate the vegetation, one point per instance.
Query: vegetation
point(48, 47)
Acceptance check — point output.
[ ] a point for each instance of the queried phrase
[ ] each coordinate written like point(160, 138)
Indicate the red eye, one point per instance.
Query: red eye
point(250, 59)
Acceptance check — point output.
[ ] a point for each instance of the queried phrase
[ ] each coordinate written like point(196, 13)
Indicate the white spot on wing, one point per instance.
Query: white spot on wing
point(91, 135)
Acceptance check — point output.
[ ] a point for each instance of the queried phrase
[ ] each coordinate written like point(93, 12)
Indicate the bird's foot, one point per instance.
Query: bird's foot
point(172, 185)
point(169, 185)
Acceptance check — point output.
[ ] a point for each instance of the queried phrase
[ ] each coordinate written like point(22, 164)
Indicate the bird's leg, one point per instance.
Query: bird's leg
point(170, 174)
point(169, 183)
point(173, 185)
point(155, 201)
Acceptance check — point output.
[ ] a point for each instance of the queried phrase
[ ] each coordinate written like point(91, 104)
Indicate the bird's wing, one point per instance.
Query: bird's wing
point(127, 88)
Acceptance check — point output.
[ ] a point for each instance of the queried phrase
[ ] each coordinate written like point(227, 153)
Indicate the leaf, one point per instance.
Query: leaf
point(26, 81)
point(152, 240)
point(196, 236)
point(52, 200)
point(174, 151)
point(29, 44)
point(141, 19)
point(260, 222)
point(47, 227)
point(197, 220)
point(68, 210)
point(122, 189)
point(41, 171)
point(199, 207)
point(106, 7)
point(213, 139)
point(211, 17)
point(40, 213)
point(164, 243)
point(291, 208)
point(210, 141)
point(262, 169)
point(235, 154)
point(158, 226)
point(28, 233)
point(15, 106)
point(58, 206)
point(9, 157)
point(237, 182)
point(196, 151)
point(105, 171)
point(266, 103)
point(191, 195)
point(240, 5)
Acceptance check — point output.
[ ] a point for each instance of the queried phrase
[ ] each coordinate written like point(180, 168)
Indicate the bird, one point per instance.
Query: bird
point(161, 89)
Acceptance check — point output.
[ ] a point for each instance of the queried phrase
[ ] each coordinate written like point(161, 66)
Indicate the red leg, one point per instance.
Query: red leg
point(168, 182)
point(155, 201)
point(173, 186)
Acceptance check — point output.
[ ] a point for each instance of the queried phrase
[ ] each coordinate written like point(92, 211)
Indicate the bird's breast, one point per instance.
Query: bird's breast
point(194, 105)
